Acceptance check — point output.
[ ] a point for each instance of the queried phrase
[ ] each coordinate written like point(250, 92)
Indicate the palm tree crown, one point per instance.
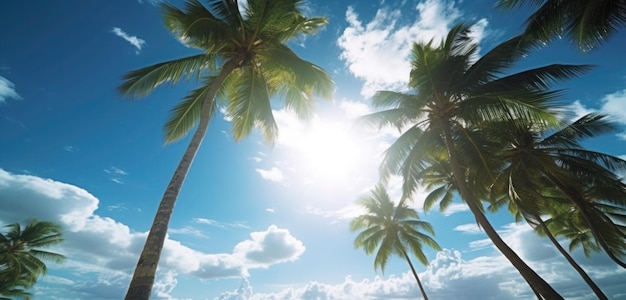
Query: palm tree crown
point(249, 47)
point(389, 229)
point(587, 23)
point(22, 255)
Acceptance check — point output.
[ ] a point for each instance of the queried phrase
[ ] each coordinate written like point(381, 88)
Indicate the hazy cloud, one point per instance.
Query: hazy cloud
point(219, 224)
point(471, 228)
point(7, 90)
point(133, 40)
point(273, 174)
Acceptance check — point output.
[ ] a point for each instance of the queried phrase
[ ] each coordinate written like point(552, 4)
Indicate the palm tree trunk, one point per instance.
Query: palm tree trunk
point(536, 283)
point(145, 271)
point(572, 262)
point(419, 283)
point(580, 204)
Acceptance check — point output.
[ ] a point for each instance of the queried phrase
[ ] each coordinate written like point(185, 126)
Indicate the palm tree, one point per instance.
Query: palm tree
point(454, 92)
point(562, 223)
point(587, 23)
point(22, 256)
point(585, 180)
point(392, 229)
point(245, 62)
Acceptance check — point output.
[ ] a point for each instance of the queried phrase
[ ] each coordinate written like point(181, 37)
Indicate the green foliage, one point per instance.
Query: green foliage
point(556, 176)
point(389, 229)
point(22, 258)
point(264, 67)
point(588, 23)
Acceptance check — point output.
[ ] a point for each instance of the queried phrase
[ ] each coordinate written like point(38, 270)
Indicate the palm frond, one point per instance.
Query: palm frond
point(141, 82)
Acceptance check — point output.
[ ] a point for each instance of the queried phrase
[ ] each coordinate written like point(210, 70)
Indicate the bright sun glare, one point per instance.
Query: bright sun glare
point(332, 153)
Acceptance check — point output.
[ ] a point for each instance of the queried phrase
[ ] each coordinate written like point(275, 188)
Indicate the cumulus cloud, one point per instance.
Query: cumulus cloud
point(378, 52)
point(7, 90)
point(275, 245)
point(450, 276)
point(133, 40)
point(102, 252)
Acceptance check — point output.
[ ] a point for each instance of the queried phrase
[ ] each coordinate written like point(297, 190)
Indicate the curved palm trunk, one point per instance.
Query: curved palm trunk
point(419, 283)
point(145, 271)
point(537, 284)
point(572, 262)
point(581, 207)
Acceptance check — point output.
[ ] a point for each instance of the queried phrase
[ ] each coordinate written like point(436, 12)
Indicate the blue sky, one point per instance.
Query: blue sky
point(252, 222)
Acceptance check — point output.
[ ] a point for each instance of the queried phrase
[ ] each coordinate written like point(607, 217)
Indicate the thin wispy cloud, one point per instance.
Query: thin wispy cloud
point(133, 40)
point(219, 224)
point(7, 90)
point(116, 174)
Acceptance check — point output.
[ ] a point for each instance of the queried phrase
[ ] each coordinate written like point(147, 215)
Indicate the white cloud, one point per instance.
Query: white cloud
point(471, 228)
point(133, 40)
point(611, 105)
point(187, 230)
point(102, 252)
point(115, 170)
point(378, 52)
point(7, 90)
point(450, 276)
point(455, 208)
point(275, 245)
point(273, 174)
point(219, 224)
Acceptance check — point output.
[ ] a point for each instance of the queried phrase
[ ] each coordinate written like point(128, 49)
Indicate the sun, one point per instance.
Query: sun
point(332, 153)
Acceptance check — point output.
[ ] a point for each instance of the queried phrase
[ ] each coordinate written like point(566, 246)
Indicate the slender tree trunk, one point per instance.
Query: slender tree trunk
point(572, 262)
point(580, 203)
point(419, 283)
point(145, 271)
point(537, 284)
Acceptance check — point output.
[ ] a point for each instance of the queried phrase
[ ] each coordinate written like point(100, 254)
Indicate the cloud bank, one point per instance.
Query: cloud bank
point(102, 252)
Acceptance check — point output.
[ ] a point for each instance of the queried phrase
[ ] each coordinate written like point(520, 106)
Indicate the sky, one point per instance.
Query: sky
point(252, 221)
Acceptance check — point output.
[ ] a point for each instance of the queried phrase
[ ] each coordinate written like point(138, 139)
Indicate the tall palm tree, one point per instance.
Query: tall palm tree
point(558, 163)
point(22, 255)
point(392, 229)
point(587, 23)
point(245, 62)
point(563, 222)
point(454, 92)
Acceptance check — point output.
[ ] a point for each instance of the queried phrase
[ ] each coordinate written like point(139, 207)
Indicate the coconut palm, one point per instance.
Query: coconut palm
point(558, 163)
point(562, 222)
point(587, 23)
point(22, 255)
point(392, 229)
point(243, 61)
point(453, 92)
